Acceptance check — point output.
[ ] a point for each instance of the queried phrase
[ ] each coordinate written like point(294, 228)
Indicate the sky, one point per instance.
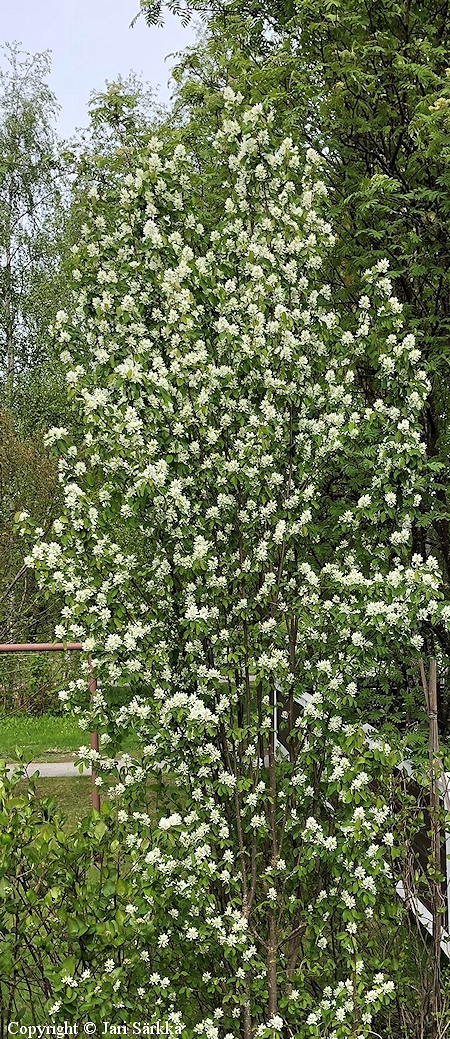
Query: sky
point(90, 41)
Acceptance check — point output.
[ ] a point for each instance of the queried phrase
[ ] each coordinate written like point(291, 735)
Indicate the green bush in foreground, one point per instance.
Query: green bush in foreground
point(75, 948)
point(64, 910)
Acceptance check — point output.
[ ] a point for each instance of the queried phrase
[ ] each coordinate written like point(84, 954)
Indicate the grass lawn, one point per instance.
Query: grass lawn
point(73, 796)
point(44, 738)
point(55, 738)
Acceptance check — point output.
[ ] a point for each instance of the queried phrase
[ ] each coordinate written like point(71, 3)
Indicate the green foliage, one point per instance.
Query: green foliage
point(39, 401)
point(63, 910)
point(79, 929)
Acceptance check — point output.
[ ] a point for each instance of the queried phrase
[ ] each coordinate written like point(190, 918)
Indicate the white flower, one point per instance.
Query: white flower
point(275, 1022)
point(112, 642)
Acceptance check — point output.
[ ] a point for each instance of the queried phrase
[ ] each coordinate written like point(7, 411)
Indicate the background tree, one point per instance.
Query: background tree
point(34, 242)
point(30, 211)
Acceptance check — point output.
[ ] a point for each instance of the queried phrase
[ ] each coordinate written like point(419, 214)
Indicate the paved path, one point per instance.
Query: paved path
point(52, 769)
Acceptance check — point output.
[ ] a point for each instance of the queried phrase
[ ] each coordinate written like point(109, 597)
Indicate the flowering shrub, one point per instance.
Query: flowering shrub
point(236, 539)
